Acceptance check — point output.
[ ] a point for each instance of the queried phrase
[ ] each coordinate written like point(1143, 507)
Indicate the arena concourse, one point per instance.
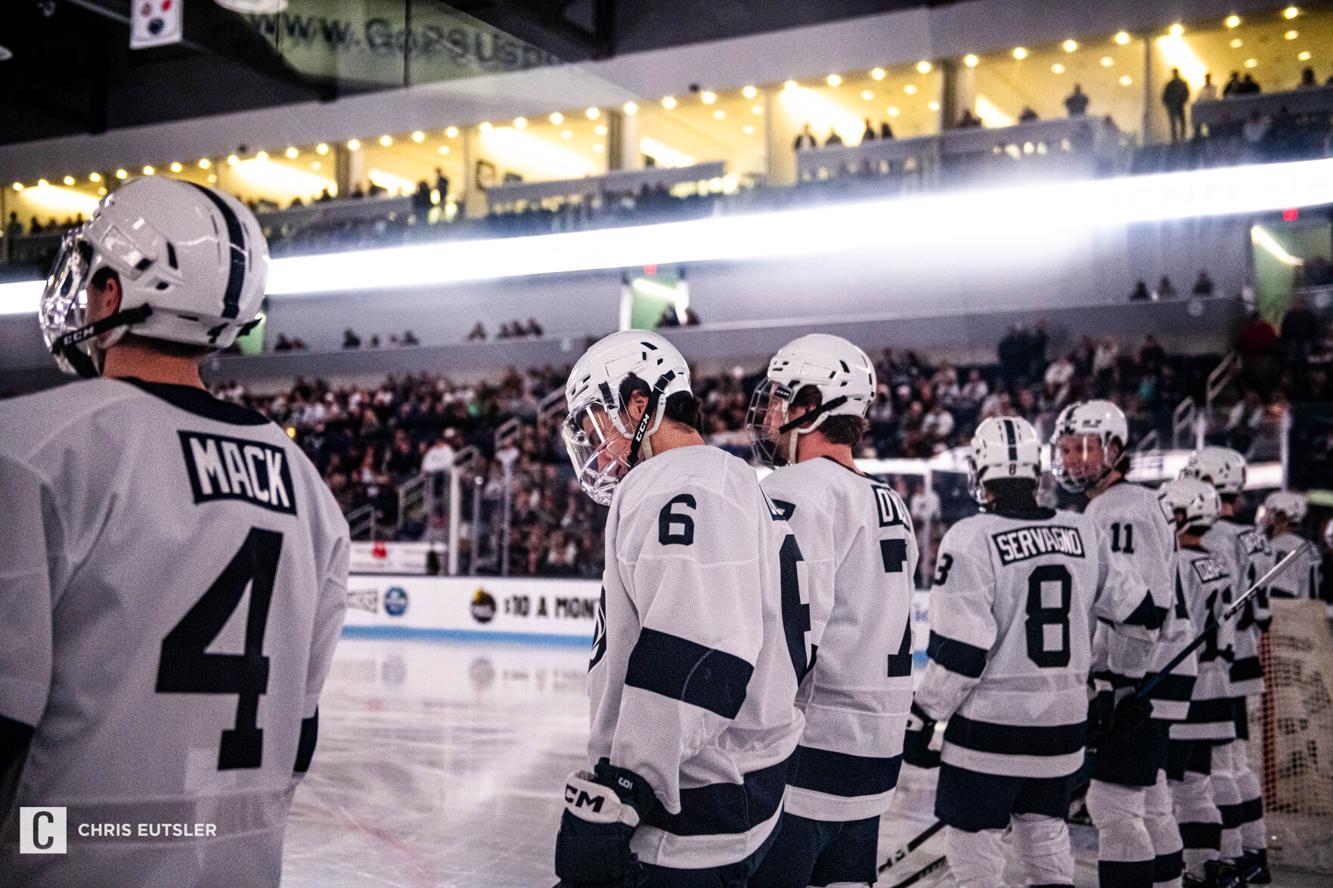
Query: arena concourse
point(1012, 207)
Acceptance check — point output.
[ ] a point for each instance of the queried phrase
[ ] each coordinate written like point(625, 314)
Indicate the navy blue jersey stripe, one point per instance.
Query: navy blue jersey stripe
point(1251, 810)
point(231, 298)
point(683, 670)
point(1201, 835)
point(1173, 687)
point(1168, 867)
point(725, 808)
point(957, 656)
point(843, 774)
point(1232, 815)
point(1001, 739)
point(1147, 614)
point(1127, 873)
point(1246, 669)
point(1204, 712)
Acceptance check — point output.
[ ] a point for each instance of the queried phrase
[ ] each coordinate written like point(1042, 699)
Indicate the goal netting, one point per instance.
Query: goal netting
point(1291, 735)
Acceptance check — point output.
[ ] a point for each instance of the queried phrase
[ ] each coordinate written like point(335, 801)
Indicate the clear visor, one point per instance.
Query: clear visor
point(64, 306)
point(767, 414)
point(1079, 461)
point(597, 449)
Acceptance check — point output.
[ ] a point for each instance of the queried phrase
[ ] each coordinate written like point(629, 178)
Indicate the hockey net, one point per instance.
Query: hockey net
point(1292, 729)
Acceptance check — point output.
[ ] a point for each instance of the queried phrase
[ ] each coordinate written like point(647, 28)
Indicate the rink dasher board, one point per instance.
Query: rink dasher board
point(531, 610)
point(528, 610)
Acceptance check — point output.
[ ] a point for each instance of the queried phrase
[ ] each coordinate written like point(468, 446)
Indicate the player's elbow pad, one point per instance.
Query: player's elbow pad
point(305, 746)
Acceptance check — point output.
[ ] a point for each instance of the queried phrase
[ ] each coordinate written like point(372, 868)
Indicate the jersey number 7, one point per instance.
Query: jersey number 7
point(186, 667)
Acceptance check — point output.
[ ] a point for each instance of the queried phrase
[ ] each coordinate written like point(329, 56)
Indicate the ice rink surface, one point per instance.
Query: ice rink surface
point(441, 764)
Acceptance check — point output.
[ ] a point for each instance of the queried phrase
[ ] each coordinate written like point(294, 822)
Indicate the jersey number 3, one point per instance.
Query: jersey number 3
point(186, 667)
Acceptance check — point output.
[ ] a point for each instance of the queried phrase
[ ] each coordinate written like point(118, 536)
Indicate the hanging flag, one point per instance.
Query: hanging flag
point(155, 23)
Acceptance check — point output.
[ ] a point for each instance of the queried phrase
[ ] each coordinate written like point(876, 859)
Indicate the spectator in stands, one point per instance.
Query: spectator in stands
point(1249, 86)
point(669, 317)
point(834, 140)
point(1175, 95)
point(1027, 115)
point(1038, 340)
point(1300, 330)
point(1014, 355)
point(805, 139)
point(357, 193)
point(36, 227)
point(1203, 286)
point(1255, 129)
point(1207, 93)
point(1059, 379)
point(885, 131)
point(925, 508)
point(1165, 289)
point(1140, 293)
point(410, 338)
point(324, 196)
point(1152, 356)
point(478, 333)
point(868, 134)
point(1106, 362)
point(1244, 421)
point(282, 344)
point(974, 391)
point(374, 341)
point(535, 329)
point(350, 339)
point(296, 202)
point(968, 120)
point(421, 202)
point(1076, 103)
point(442, 186)
point(1232, 87)
point(1307, 80)
point(14, 228)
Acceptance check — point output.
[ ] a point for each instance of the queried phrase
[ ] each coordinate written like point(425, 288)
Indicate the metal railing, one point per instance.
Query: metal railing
point(1221, 377)
point(1183, 423)
point(364, 520)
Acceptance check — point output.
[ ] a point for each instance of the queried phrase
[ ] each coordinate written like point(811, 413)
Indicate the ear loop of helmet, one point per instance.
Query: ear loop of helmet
point(67, 346)
point(804, 418)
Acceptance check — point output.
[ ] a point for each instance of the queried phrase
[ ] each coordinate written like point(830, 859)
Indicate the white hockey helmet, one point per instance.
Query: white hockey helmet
point(1189, 502)
point(1221, 467)
point(603, 441)
point(1285, 504)
point(1071, 463)
point(1002, 447)
point(843, 375)
point(192, 263)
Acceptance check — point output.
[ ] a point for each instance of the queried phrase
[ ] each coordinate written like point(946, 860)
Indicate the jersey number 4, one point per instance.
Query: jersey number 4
point(186, 667)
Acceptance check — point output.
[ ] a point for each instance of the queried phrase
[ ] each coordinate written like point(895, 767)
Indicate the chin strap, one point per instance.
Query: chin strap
point(794, 441)
point(639, 442)
point(67, 345)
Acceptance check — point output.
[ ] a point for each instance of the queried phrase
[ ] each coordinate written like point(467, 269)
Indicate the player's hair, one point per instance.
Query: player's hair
point(842, 429)
point(681, 407)
point(1012, 494)
point(161, 346)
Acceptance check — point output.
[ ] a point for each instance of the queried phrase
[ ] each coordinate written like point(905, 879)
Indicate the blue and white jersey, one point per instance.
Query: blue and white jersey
point(701, 639)
point(1143, 543)
point(1012, 609)
point(1244, 553)
point(857, 540)
point(1207, 589)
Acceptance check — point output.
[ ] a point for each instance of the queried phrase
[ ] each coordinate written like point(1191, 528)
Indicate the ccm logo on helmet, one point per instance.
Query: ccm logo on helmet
point(581, 799)
point(231, 468)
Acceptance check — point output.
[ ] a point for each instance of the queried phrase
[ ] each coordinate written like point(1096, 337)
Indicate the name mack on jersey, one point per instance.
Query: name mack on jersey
point(1032, 542)
point(232, 468)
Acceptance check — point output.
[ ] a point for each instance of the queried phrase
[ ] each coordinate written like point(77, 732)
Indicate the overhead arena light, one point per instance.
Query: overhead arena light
point(964, 219)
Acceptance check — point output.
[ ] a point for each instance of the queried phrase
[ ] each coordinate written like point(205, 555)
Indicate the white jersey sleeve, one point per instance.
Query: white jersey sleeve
point(858, 542)
point(1303, 578)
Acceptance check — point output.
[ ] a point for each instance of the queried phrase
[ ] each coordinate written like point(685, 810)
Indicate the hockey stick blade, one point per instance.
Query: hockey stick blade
point(1153, 681)
point(911, 846)
point(934, 866)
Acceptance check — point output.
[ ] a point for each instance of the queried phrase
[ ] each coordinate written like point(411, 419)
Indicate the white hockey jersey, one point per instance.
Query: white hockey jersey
point(1207, 589)
point(1012, 608)
point(1143, 543)
point(861, 554)
point(1245, 554)
point(173, 586)
point(702, 636)
point(1303, 579)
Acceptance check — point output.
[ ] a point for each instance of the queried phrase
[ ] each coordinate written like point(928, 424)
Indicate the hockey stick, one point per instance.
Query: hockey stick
point(933, 866)
point(1213, 622)
point(911, 846)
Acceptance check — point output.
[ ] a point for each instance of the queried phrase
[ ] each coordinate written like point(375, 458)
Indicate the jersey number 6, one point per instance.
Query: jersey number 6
point(186, 667)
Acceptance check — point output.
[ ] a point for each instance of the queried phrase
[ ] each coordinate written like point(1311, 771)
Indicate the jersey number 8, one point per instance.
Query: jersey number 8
point(1041, 616)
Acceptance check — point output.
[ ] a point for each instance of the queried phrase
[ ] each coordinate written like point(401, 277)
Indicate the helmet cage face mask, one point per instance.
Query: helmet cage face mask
point(1086, 471)
point(597, 449)
point(764, 419)
point(64, 307)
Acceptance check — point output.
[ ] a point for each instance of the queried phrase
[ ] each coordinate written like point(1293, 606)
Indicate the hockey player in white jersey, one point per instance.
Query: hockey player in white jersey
point(1282, 515)
point(1244, 552)
point(1199, 764)
point(175, 569)
point(1128, 798)
point(856, 536)
point(701, 638)
point(1016, 591)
